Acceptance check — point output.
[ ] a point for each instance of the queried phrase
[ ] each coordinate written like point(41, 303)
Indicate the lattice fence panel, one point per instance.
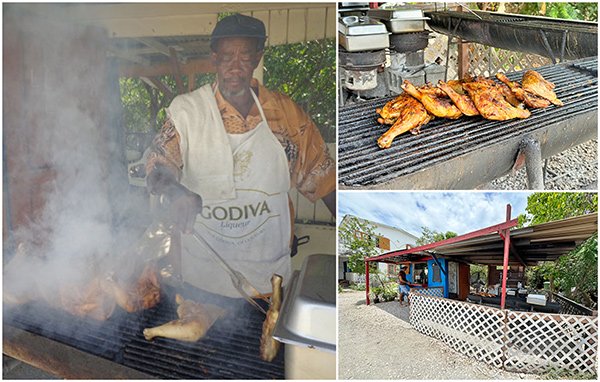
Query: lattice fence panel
point(473, 330)
point(483, 60)
point(487, 61)
point(436, 49)
point(433, 291)
point(539, 342)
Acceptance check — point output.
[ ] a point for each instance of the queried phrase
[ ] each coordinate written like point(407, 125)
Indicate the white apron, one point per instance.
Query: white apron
point(251, 232)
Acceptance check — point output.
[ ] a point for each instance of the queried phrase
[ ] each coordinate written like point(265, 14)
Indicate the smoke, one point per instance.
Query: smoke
point(68, 134)
point(90, 223)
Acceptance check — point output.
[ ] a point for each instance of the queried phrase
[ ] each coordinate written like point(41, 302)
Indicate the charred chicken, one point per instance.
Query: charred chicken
point(194, 321)
point(269, 346)
point(534, 83)
point(405, 113)
point(489, 99)
point(435, 100)
point(530, 100)
point(460, 99)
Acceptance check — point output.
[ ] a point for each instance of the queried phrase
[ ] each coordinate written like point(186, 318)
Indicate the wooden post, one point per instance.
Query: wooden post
point(463, 56)
point(177, 71)
point(367, 281)
point(506, 253)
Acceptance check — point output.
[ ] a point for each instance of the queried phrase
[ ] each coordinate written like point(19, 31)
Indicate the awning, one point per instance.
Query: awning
point(529, 245)
point(499, 245)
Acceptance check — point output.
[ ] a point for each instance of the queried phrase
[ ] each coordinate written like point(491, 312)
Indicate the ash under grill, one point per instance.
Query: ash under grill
point(362, 163)
point(230, 350)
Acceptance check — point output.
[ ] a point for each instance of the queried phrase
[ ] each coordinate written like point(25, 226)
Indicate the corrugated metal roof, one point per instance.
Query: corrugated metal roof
point(542, 242)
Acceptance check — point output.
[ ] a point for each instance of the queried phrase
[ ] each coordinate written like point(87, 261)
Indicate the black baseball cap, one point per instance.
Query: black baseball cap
point(238, 25)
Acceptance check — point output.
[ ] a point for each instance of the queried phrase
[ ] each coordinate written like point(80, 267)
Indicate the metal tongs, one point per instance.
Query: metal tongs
point(240, 282)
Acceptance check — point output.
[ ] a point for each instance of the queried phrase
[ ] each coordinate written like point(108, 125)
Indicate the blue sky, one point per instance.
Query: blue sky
point(460, 212)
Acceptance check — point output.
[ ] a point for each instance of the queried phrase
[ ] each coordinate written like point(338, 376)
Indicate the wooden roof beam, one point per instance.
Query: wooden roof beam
point(200, 65)
point(156, 83)
point(131, 57)
point(156, 45)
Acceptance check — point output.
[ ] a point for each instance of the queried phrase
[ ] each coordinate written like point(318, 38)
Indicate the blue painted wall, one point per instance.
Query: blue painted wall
point(431, 265)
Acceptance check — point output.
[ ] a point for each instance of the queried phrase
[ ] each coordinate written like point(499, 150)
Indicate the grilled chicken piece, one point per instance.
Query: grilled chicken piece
point(410, 116)
point(534, 83)
point(509, 96)
point(435, 101)
point(269, 346)
point(531, 100)
point(19, 285)
point(144, 293)
point(194, 321)
point(489, 99)
point(457, 85)
point(462, 101)
point(88, 300)
point(393, 109)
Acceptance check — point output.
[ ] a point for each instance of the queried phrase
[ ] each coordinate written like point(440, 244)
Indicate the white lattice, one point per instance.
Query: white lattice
point(473, 330)
point(516, 341)
point(539, 342)
point(487, 61)
point(483, 60)
point(433, 291)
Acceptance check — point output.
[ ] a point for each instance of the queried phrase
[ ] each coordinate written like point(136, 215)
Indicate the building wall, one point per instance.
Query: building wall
point(398, 239)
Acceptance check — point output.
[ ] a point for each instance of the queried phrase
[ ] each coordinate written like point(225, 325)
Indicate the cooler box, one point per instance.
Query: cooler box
point(536, 299)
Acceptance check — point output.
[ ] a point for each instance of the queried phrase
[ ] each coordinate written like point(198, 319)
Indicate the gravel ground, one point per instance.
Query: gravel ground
point(378, 342)
point(573, 169)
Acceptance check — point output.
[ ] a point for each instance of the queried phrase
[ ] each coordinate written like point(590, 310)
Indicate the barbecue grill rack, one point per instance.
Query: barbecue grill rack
point(230, 349)
point(553, 38)
point(362, 163)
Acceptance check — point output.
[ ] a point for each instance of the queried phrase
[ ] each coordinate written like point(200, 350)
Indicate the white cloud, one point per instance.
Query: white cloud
point(460, 212)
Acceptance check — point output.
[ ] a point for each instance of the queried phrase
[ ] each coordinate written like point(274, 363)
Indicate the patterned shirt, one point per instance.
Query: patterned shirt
point(312, 169)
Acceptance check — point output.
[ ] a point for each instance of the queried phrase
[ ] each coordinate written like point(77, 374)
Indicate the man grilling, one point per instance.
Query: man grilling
point(404, 285)
point(227, 156)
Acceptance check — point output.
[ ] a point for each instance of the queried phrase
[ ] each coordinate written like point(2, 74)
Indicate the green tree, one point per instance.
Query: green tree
point(543, 207)
point(429, 236)
point(357, 237)
point(575, 274)
point(304, 71)
point(563, 10)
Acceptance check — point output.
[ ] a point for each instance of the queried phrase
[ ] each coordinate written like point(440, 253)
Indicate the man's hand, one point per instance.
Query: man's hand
point(183, 211)
point(183, 205)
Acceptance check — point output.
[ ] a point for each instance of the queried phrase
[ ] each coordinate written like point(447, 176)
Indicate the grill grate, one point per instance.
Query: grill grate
point(363, 163)
point(230, 350)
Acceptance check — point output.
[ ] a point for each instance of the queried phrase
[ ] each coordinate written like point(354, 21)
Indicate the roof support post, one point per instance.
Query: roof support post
point(367, 281)
point(506, 253)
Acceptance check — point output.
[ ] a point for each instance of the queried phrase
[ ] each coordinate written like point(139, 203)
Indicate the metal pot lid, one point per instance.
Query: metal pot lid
point(397, 13)
point(356, 26)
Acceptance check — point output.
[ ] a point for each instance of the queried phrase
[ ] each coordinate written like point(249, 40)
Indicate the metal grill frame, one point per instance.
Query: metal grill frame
point(468, 152)
point(230, 349)
point(515, 341)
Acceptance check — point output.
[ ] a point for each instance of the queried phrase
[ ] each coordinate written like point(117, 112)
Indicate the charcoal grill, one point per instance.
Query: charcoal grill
point(552, 38)
point(230, 350)
point(469, 151)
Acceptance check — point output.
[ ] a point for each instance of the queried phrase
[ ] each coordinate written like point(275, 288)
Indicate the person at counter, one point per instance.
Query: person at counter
point(403, 285)
point(228, 154)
